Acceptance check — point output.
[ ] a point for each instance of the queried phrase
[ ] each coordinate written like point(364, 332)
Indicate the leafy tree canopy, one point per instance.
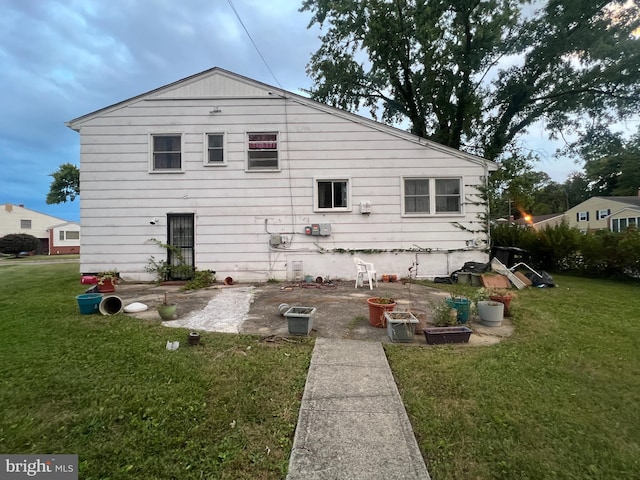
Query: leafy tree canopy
point(611, 162)
point(65, 184)
point(475, 74)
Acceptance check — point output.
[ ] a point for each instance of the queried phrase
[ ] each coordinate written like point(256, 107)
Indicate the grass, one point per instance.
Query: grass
point(107, 389)
point(558, 400)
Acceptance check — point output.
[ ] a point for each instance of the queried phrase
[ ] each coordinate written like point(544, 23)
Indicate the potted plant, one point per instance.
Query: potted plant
point(377, 307)
point(166, 310)
point(446, 328)
point(503, 296)
point(107, 281)
point(462, 306)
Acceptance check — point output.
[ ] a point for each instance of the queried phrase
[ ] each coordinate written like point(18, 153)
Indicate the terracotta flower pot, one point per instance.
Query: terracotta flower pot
point(106, 285)
point(504, 299)
point(376, 311)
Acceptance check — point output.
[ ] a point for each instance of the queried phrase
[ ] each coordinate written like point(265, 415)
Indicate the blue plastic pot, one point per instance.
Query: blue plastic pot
point(89, 302)
point(462, 306)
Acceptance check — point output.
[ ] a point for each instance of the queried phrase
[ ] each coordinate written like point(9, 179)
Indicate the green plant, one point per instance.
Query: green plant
point(165, 300)
point(111, 275)
point(443, 315)
point(201, 279)
point(163, 270)
point(387, 300)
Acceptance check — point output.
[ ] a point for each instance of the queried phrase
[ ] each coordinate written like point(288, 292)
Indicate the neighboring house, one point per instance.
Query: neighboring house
point(539, 222)
point(17, 219)
point(597, 213)
point(257, 183)
point(64, 239)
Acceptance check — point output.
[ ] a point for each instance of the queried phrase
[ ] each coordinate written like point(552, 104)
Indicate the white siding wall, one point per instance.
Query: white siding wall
point(235, 210)
point(67, 227)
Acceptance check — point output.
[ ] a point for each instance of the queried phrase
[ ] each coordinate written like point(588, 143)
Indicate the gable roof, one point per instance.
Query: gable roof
point(59, 225)
point(633, 201)
point(537, 219)
point(201, 85)
point(12, 207)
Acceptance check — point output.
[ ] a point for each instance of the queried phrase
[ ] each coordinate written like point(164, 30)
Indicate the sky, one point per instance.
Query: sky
point(62, 59)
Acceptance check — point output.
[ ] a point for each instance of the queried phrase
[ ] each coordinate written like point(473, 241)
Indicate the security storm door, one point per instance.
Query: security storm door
point(180, 256)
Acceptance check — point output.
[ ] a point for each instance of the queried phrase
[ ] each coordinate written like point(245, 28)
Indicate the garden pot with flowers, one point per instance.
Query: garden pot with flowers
point(107, 281)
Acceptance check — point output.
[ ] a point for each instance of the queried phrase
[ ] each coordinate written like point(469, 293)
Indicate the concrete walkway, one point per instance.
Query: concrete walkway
point(352, 423)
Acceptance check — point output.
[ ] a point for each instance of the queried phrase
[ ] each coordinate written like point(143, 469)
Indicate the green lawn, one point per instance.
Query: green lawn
point(107, 389)
point(559, 400)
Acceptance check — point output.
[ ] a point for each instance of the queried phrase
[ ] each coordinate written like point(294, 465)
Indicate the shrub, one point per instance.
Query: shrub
point(201, 279)
point(15, 243)
point(562, 248)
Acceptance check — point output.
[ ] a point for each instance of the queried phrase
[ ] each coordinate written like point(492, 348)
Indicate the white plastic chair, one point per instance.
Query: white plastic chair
point(367, 269)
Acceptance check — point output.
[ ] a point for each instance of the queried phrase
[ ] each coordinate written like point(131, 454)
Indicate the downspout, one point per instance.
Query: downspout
point(488, 208)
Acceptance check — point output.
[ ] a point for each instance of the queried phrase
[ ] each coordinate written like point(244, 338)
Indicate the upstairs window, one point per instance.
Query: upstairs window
point(431, 196)
point(26, 224)
point(167, 152)
point(262, 151)
point(583, 216)
point(332, 194)
point(215, 146)
point(600, 214)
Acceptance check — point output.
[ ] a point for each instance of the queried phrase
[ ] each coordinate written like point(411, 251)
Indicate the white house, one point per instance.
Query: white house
point(258, 183)
point(64, 239)
point(18, 219)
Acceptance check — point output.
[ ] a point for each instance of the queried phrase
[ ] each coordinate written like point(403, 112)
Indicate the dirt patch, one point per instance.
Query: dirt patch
point(342, 310)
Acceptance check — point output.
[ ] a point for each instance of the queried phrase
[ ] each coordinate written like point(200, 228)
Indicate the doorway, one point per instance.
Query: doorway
point(181, 238)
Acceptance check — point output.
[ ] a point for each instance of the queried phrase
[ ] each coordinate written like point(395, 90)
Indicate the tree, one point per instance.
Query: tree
point(611, 162)
point(475, 74)
point(15, 243)
point(65, 184)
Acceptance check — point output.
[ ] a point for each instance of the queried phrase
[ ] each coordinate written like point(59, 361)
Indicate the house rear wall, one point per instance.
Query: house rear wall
point(236, 211)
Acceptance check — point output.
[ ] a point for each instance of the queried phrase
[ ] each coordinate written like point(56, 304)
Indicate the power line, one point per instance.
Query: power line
point(254, 43)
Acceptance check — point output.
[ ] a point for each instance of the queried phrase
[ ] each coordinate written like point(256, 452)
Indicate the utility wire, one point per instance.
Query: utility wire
point(254, 43)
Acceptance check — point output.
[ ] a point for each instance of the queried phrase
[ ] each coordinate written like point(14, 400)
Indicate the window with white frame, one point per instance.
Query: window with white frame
point(424, 196)
point(215, 147)
point(166, 152)
point(621, 224)
point(583, 216)
point(332, 194)
point(447, 195)
point(69, 235)
point(262, 151)
point(600, 214)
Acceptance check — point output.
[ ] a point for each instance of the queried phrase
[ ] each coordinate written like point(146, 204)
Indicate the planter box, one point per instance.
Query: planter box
point(300, 320)
point(400, 326)
point(440, 335)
